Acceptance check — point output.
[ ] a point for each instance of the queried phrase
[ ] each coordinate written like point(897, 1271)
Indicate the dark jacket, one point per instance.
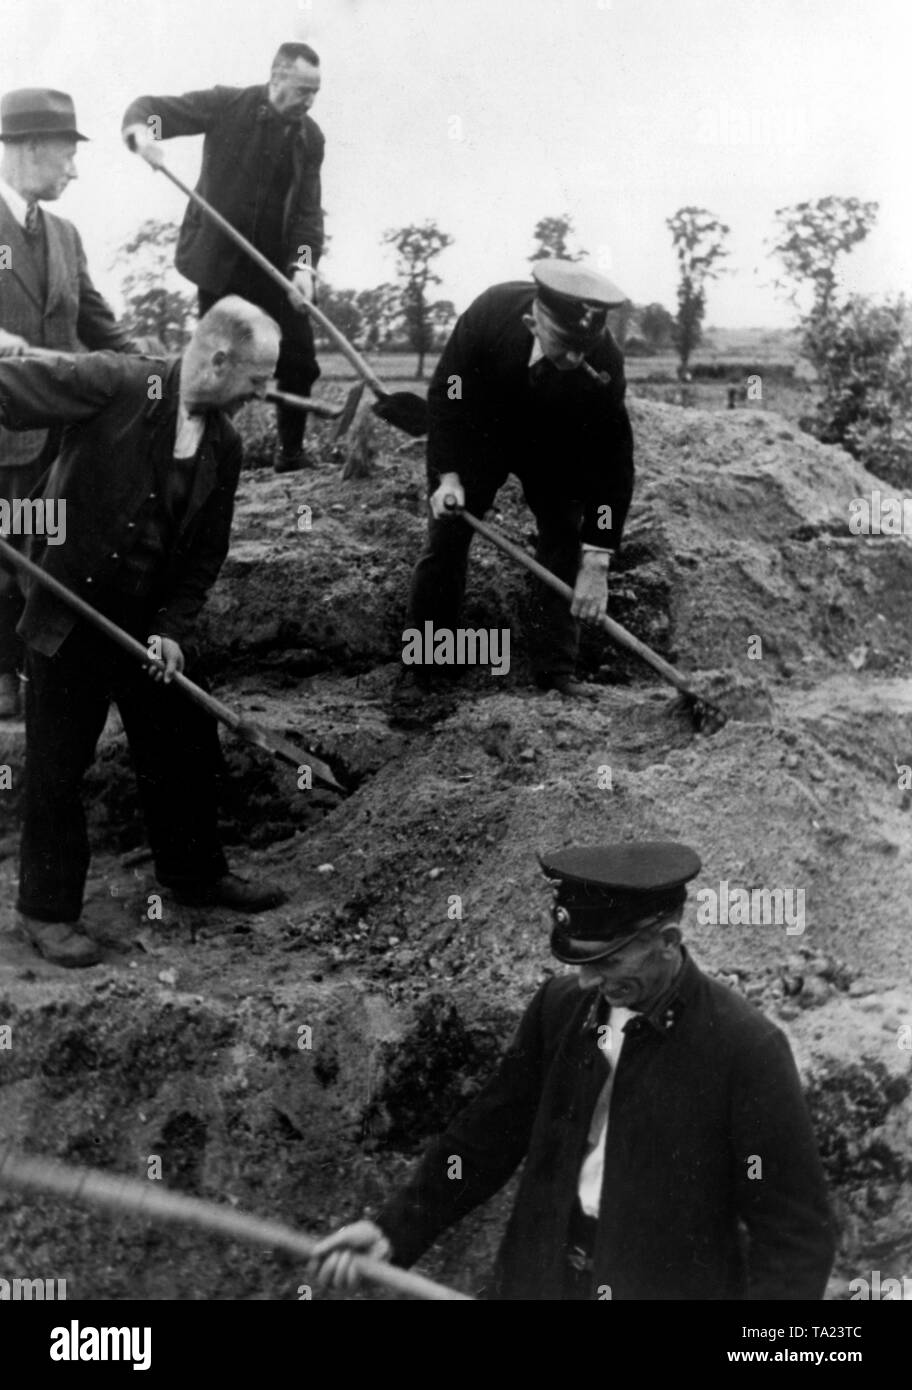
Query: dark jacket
point(239, 155)
point(72, 315)
point(105, 471)
point(572, 436)
point(698, 1093)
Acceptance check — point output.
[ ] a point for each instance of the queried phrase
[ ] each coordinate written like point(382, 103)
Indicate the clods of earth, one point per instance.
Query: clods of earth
point(293, 1064)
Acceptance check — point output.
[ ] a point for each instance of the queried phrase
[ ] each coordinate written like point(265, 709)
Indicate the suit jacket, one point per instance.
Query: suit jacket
point(105, 471)
point(237, 170)
point(72, 316)
point(699, 1092)
point(571, 435)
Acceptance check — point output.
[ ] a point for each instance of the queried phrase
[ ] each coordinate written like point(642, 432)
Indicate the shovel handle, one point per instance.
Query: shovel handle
point(32, 1173)
point(614, 630)
point(322, 408)
point(297, 299)
point(123, 639)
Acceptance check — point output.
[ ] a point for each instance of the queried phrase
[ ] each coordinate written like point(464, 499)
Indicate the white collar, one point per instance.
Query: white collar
point(188, 434)
point(14, 201)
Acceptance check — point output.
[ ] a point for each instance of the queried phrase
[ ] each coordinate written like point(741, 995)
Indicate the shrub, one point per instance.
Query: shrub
point(863, 355)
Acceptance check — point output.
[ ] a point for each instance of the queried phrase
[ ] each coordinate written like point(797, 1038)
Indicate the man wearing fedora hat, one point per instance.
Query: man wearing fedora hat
point(531, 383)
point(667, 1150)
point(47, 300)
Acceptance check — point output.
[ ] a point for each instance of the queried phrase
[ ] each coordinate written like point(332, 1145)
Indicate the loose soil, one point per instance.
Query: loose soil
point(187, 1043)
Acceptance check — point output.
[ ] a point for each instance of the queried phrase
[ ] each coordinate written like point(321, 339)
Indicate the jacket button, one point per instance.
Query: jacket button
point(131, 525)
point(114, 555)
point(89, 579)
point(152, 496)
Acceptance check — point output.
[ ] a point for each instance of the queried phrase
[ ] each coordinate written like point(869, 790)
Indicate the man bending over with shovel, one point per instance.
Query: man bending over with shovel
point(532, 383)
point(148, 469)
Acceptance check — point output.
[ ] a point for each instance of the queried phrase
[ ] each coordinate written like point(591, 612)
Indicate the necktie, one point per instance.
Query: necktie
point(32, 221)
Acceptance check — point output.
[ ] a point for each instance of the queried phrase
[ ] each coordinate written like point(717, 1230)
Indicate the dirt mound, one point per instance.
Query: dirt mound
point(739, 529)
point(417, 925)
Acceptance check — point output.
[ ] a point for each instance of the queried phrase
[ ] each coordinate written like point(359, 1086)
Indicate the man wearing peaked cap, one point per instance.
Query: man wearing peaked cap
point(531, 382)
point(666, 1147)
point(47, 300)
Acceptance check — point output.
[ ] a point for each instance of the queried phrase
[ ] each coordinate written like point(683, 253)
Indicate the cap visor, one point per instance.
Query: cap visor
point(572, 951)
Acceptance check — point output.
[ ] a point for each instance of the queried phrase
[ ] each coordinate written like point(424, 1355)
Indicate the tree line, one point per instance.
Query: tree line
point(860, 348)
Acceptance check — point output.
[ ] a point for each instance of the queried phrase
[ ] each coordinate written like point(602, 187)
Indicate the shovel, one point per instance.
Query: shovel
point(245, 728)
point(32, 1173)
point(707, 716)
point(405, 410)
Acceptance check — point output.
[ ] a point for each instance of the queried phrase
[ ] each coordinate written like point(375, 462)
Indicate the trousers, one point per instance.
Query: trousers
point(176, 758)
point(439, 578)
point(16, 483)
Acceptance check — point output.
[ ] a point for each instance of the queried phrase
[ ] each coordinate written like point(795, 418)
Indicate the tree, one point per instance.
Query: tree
point(863, 354)
point(379, 309)
point(811, 237)
point(551, 233)
point(657, 327)
point(443, 315)
point(416, 248)
point(861, 349)
point(156, 304)
point(698, 237)
point(342, 309)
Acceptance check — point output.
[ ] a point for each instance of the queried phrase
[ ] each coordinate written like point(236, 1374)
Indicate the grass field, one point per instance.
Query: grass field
point(652, 377)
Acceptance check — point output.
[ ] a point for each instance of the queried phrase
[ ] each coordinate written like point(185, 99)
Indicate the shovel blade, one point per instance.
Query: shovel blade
point(404, 410)
point(349, 411)
point(290, 753)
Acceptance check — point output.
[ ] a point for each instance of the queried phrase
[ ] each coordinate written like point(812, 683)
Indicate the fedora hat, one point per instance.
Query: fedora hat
point(31, 111)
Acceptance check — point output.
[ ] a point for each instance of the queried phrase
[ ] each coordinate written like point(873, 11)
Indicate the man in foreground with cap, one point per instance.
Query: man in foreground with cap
point(47, 300)
point(262, 161)
point(667, 1149)
point(532, 383)
point(148, 469)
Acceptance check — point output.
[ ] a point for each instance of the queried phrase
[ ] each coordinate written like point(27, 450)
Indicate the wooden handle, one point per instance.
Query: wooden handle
point(329, 412)
point(31, 1173)
point(614, 630)
point(123, 639)
point(269, 269)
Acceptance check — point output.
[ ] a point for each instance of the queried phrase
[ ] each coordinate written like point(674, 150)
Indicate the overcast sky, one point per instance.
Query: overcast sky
point(489, 114)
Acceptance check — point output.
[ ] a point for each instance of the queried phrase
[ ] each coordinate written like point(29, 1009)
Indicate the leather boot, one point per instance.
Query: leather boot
point(62, 943)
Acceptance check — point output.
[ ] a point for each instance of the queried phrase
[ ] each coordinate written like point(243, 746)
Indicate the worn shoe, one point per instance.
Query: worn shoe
point(62, 943)
point(293, 463)
point(234, 892)
point(10, 704)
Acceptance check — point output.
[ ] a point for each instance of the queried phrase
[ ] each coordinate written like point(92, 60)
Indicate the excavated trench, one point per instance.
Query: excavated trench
point(190, 1045)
